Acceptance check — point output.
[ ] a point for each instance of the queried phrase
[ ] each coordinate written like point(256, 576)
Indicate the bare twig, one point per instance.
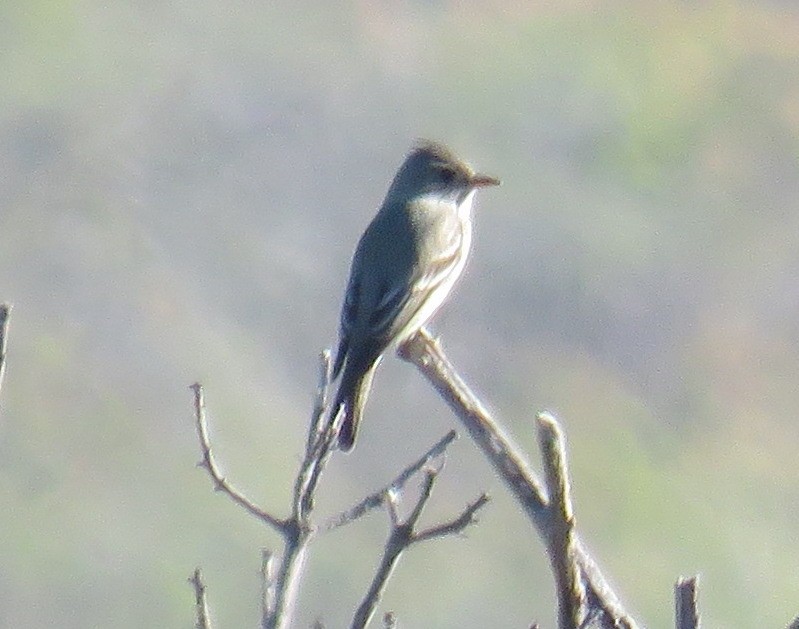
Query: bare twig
point(321, 441)
point(268, 594)
point(685, 598)
point(220, 482)
point(5, 316)
point(300, 531)
point(319, 445)
point(280, 586)
point(457, 525)
point(428, 482)
point(202, 616)
point(569, 586)
point(280, 579)
point(320, 403)
point(312, 467)
point(378, 498)
point(426, 353)
point(287, 581)
point(403, 535)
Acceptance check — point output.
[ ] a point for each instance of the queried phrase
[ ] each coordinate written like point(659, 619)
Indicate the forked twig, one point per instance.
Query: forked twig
point(404, 535)
point(602, 605)
point(280, 585)
point(220, 482)
point(377, 499)
point(280, 577)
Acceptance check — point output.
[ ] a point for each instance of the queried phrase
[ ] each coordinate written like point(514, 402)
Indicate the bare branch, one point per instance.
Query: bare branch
point(392, 506)
point(320, 403)
point(394, 547)
point(378, 498)
point(320, 444)
point(403, 536)
point(202, 616)
point(426, 353)
point(421, 502)
point(322, 438)
point(794, 623)
point(220, 482)
point(5, 316)
point(457, 525)
point(569, 586)
point(280, 586)
point(311, 470)
point(287, 581)
point(268, 594)
point(685, 598)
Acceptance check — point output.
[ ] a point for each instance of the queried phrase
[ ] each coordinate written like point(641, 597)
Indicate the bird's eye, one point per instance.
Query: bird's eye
point(447, 175)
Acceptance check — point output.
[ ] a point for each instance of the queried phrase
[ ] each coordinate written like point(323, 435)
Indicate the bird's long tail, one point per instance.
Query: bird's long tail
point(350, 400)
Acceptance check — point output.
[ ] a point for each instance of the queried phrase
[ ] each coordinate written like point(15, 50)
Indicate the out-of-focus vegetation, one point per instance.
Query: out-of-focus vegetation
point(181, 187)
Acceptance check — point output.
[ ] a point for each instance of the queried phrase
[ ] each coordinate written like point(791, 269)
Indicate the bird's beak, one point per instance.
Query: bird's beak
point(483, 181)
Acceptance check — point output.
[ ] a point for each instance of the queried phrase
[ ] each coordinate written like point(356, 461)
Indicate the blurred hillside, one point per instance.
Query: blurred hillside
point(182, 187)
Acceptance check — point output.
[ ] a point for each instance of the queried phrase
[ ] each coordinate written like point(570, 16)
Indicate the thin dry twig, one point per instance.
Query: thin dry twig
point(201, 613)
point(280, 586)
point(280, 579)
point(300, 531)
point(268, 594)
point(5, 317)
point(569, 586)
point(320, 402)
point(426, 354)
point(404, 535)
point(322, 439)
point(456, 525)
point(686, 608)
point(220, 482)
point(378, 498)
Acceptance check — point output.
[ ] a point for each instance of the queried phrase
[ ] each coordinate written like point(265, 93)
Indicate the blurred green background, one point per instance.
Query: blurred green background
point(181, 187)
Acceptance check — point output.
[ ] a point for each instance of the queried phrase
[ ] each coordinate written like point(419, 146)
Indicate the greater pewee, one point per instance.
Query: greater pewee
point(404, 266)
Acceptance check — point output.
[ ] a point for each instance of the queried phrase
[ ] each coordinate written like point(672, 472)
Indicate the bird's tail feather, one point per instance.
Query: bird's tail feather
point(350, 400)
point(349, 427)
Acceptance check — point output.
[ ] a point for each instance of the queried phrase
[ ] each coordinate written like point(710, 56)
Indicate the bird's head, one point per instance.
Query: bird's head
point(432, 168)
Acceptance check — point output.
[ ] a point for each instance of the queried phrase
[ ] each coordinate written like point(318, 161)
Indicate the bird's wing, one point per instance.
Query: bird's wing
point(395, 297)
point(349, 314)
point(400, 304)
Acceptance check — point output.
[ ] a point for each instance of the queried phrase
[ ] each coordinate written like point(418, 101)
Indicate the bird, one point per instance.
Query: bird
point(403, 269)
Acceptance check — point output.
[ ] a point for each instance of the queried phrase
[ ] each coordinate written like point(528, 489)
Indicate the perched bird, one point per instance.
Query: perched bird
point(404, 266)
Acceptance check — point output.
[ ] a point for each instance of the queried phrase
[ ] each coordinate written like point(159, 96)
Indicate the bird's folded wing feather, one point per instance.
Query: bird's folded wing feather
point(400, 299)
point(399, 304)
